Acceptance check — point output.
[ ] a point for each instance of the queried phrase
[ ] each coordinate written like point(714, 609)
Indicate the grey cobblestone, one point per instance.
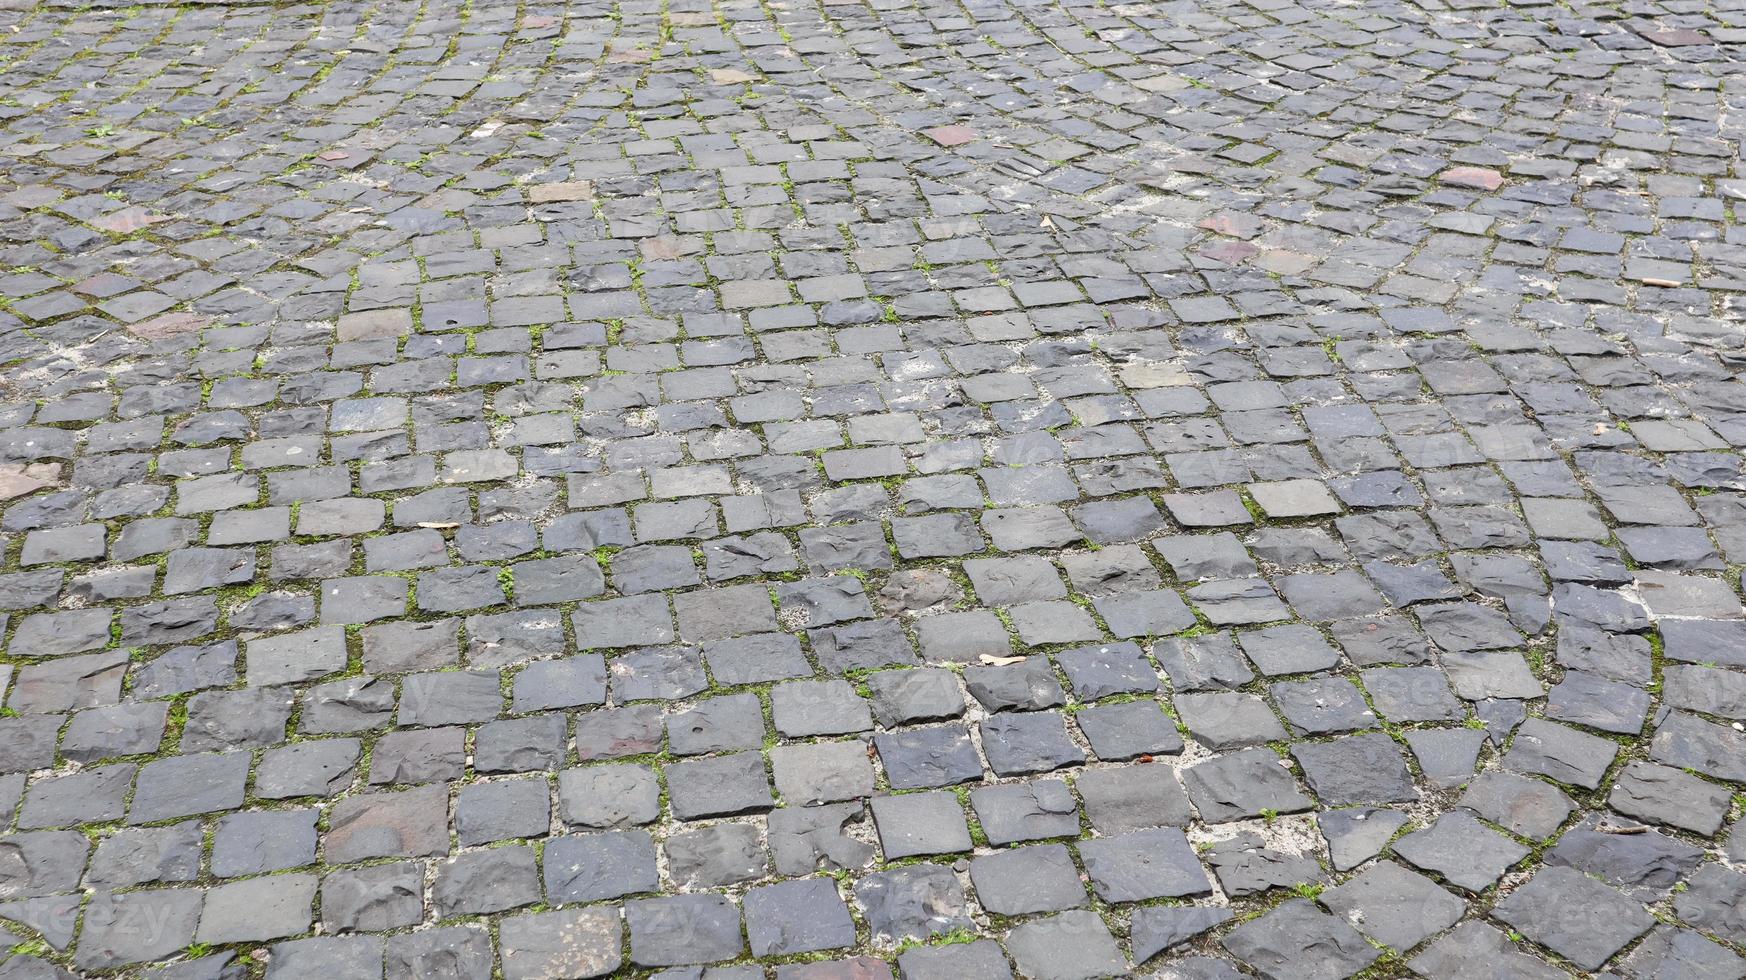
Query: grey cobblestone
point(729, 490)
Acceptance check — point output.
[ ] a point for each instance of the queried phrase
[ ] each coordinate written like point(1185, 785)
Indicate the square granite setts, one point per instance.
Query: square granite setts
point(726, 491)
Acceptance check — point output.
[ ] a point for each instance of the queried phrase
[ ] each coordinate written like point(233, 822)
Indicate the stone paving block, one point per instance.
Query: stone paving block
point(920, 823)
point(257, 909)
point(568, 943)
point(1070, 944)
point(1297, 936)
point(683, 929)
point(1464, 851)
point(1574, 915)
point(915, 903)
point(125, 928)
point(1142, 865)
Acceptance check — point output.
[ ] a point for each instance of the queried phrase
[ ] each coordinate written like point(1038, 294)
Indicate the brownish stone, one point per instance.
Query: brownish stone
point(575, 190)
point(19, 479)
point(949, 136)
point(168, 325)
point(1478, 178)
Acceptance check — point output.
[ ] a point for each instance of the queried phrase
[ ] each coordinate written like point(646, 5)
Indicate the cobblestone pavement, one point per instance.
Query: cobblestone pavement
point(854, 489)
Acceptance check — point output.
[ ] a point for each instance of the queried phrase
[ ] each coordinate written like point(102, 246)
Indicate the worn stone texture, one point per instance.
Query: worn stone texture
point(1057, 488)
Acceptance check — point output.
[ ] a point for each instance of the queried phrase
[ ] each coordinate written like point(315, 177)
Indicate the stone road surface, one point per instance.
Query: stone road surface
point(817, 489)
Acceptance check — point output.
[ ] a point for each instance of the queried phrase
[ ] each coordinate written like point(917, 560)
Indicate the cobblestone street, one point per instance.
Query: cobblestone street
point(868, 489)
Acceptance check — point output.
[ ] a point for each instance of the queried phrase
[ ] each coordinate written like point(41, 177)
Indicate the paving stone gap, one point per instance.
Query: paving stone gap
point(872, 490)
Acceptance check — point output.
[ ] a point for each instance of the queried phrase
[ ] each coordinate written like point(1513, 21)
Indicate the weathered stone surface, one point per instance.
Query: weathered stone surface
point(136, 927)
point(1154, 929)
point(1071, 944)
point(1244, 865)
point(1025, 880)
point(1464, 851)
point(1643, 864)
point(570, 943)
point(1357, 834)
point(700, 467)
point(1474, 947)
point(913, 903)
point(1561, 753)
point(1394, 906)
point(1574, 916)
point(1519, 804)
point(683, 929)
point(799, 916)
point(1242, 785)
point(1144, 864)
point(1296, 939)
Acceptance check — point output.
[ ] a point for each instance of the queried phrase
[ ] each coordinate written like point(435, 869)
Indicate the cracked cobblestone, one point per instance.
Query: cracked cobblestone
point(739, 489)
